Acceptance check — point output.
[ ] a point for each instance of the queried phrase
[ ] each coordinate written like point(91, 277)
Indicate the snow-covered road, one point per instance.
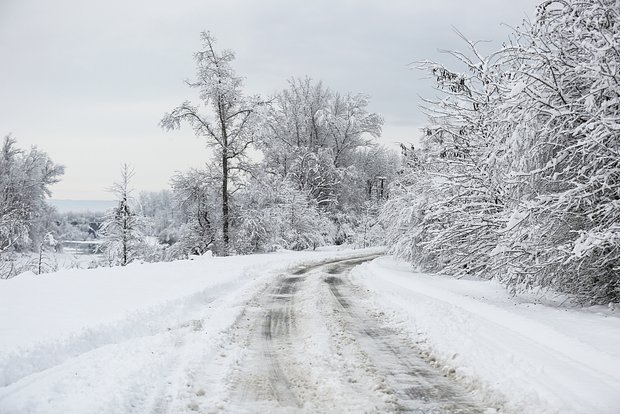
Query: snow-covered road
point(331, 331)
point(307, 343)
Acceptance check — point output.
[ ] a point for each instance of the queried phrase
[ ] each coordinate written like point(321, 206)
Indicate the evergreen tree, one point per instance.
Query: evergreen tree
point(123, 228)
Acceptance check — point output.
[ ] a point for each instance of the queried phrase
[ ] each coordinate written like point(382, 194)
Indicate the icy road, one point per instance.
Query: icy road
point(327, 332)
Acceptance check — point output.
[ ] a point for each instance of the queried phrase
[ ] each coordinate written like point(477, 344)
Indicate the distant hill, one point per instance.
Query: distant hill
point(79, 206)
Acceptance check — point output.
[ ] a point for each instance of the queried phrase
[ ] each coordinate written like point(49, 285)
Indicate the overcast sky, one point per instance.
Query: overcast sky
point(88, 81)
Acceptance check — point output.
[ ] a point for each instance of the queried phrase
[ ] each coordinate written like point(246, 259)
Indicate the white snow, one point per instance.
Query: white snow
point(148, 337)
point(538, 357)
point(110, 339)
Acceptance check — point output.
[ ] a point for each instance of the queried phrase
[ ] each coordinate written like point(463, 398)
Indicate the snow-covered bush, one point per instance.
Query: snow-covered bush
point(521, 160)
point(446, 206)
point(273, 214)
point(197, 199)
point(565, 101)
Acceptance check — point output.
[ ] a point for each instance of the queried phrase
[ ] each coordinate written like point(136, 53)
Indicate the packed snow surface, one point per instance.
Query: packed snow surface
point(540, 356)
point(204, 335)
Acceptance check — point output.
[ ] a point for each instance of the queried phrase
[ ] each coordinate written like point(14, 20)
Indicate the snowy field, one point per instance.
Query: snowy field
point(51, 261)
point(119, 340)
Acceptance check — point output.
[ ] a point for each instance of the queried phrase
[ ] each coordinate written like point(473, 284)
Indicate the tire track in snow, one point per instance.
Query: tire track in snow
point(372, 367)
point(278, 324)
point(265, 373)
point(418, 386)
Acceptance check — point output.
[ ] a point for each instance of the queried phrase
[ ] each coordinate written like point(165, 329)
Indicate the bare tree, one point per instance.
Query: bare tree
point(230, 124)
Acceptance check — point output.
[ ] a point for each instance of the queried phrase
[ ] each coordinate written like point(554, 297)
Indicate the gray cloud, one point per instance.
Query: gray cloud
point(89, 81)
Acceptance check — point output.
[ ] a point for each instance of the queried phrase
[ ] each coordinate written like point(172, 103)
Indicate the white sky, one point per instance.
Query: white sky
point(88, 81)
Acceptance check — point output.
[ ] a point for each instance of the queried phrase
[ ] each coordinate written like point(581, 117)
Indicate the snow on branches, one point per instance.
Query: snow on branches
point(25, 178)
point(523, 153)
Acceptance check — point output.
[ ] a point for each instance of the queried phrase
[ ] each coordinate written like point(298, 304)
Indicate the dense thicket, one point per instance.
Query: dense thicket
point(519, 177)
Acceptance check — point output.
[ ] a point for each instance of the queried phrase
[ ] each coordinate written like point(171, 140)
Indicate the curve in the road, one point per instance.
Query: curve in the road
point(273, 376)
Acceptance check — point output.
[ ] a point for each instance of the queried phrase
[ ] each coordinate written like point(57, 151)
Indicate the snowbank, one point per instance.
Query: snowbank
point(540, 358)
point(48, 319)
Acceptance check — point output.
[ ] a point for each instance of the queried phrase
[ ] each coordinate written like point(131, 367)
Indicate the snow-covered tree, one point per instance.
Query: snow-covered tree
point(25, 180)
point(315, 138)
point(349, 126)
point(160, 210)
point(227, 119)
point(45, 262)
point(196, 196)
point(311, 134)
point(519, 176)
point(123, 228)
point(564, 227)
point(275, 213)
point(403, 215)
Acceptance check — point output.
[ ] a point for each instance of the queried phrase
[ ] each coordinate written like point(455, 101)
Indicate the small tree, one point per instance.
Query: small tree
point(196, 198)
point(44, 263)
point(123, 226)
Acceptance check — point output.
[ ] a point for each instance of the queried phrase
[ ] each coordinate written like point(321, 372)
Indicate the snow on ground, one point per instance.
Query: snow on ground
point(157, 337)
point(68, 339)
point(540, 357)
point(50, 262)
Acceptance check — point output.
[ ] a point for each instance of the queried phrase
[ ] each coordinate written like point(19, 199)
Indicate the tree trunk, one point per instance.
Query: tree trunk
point(225, 220)
point(225, 217)
point(125, 229)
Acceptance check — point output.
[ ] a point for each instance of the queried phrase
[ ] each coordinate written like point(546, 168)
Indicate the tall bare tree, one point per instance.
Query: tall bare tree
point(226, 118)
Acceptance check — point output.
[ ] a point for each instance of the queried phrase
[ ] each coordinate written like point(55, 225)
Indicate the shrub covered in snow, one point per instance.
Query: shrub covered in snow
point(520, 177)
